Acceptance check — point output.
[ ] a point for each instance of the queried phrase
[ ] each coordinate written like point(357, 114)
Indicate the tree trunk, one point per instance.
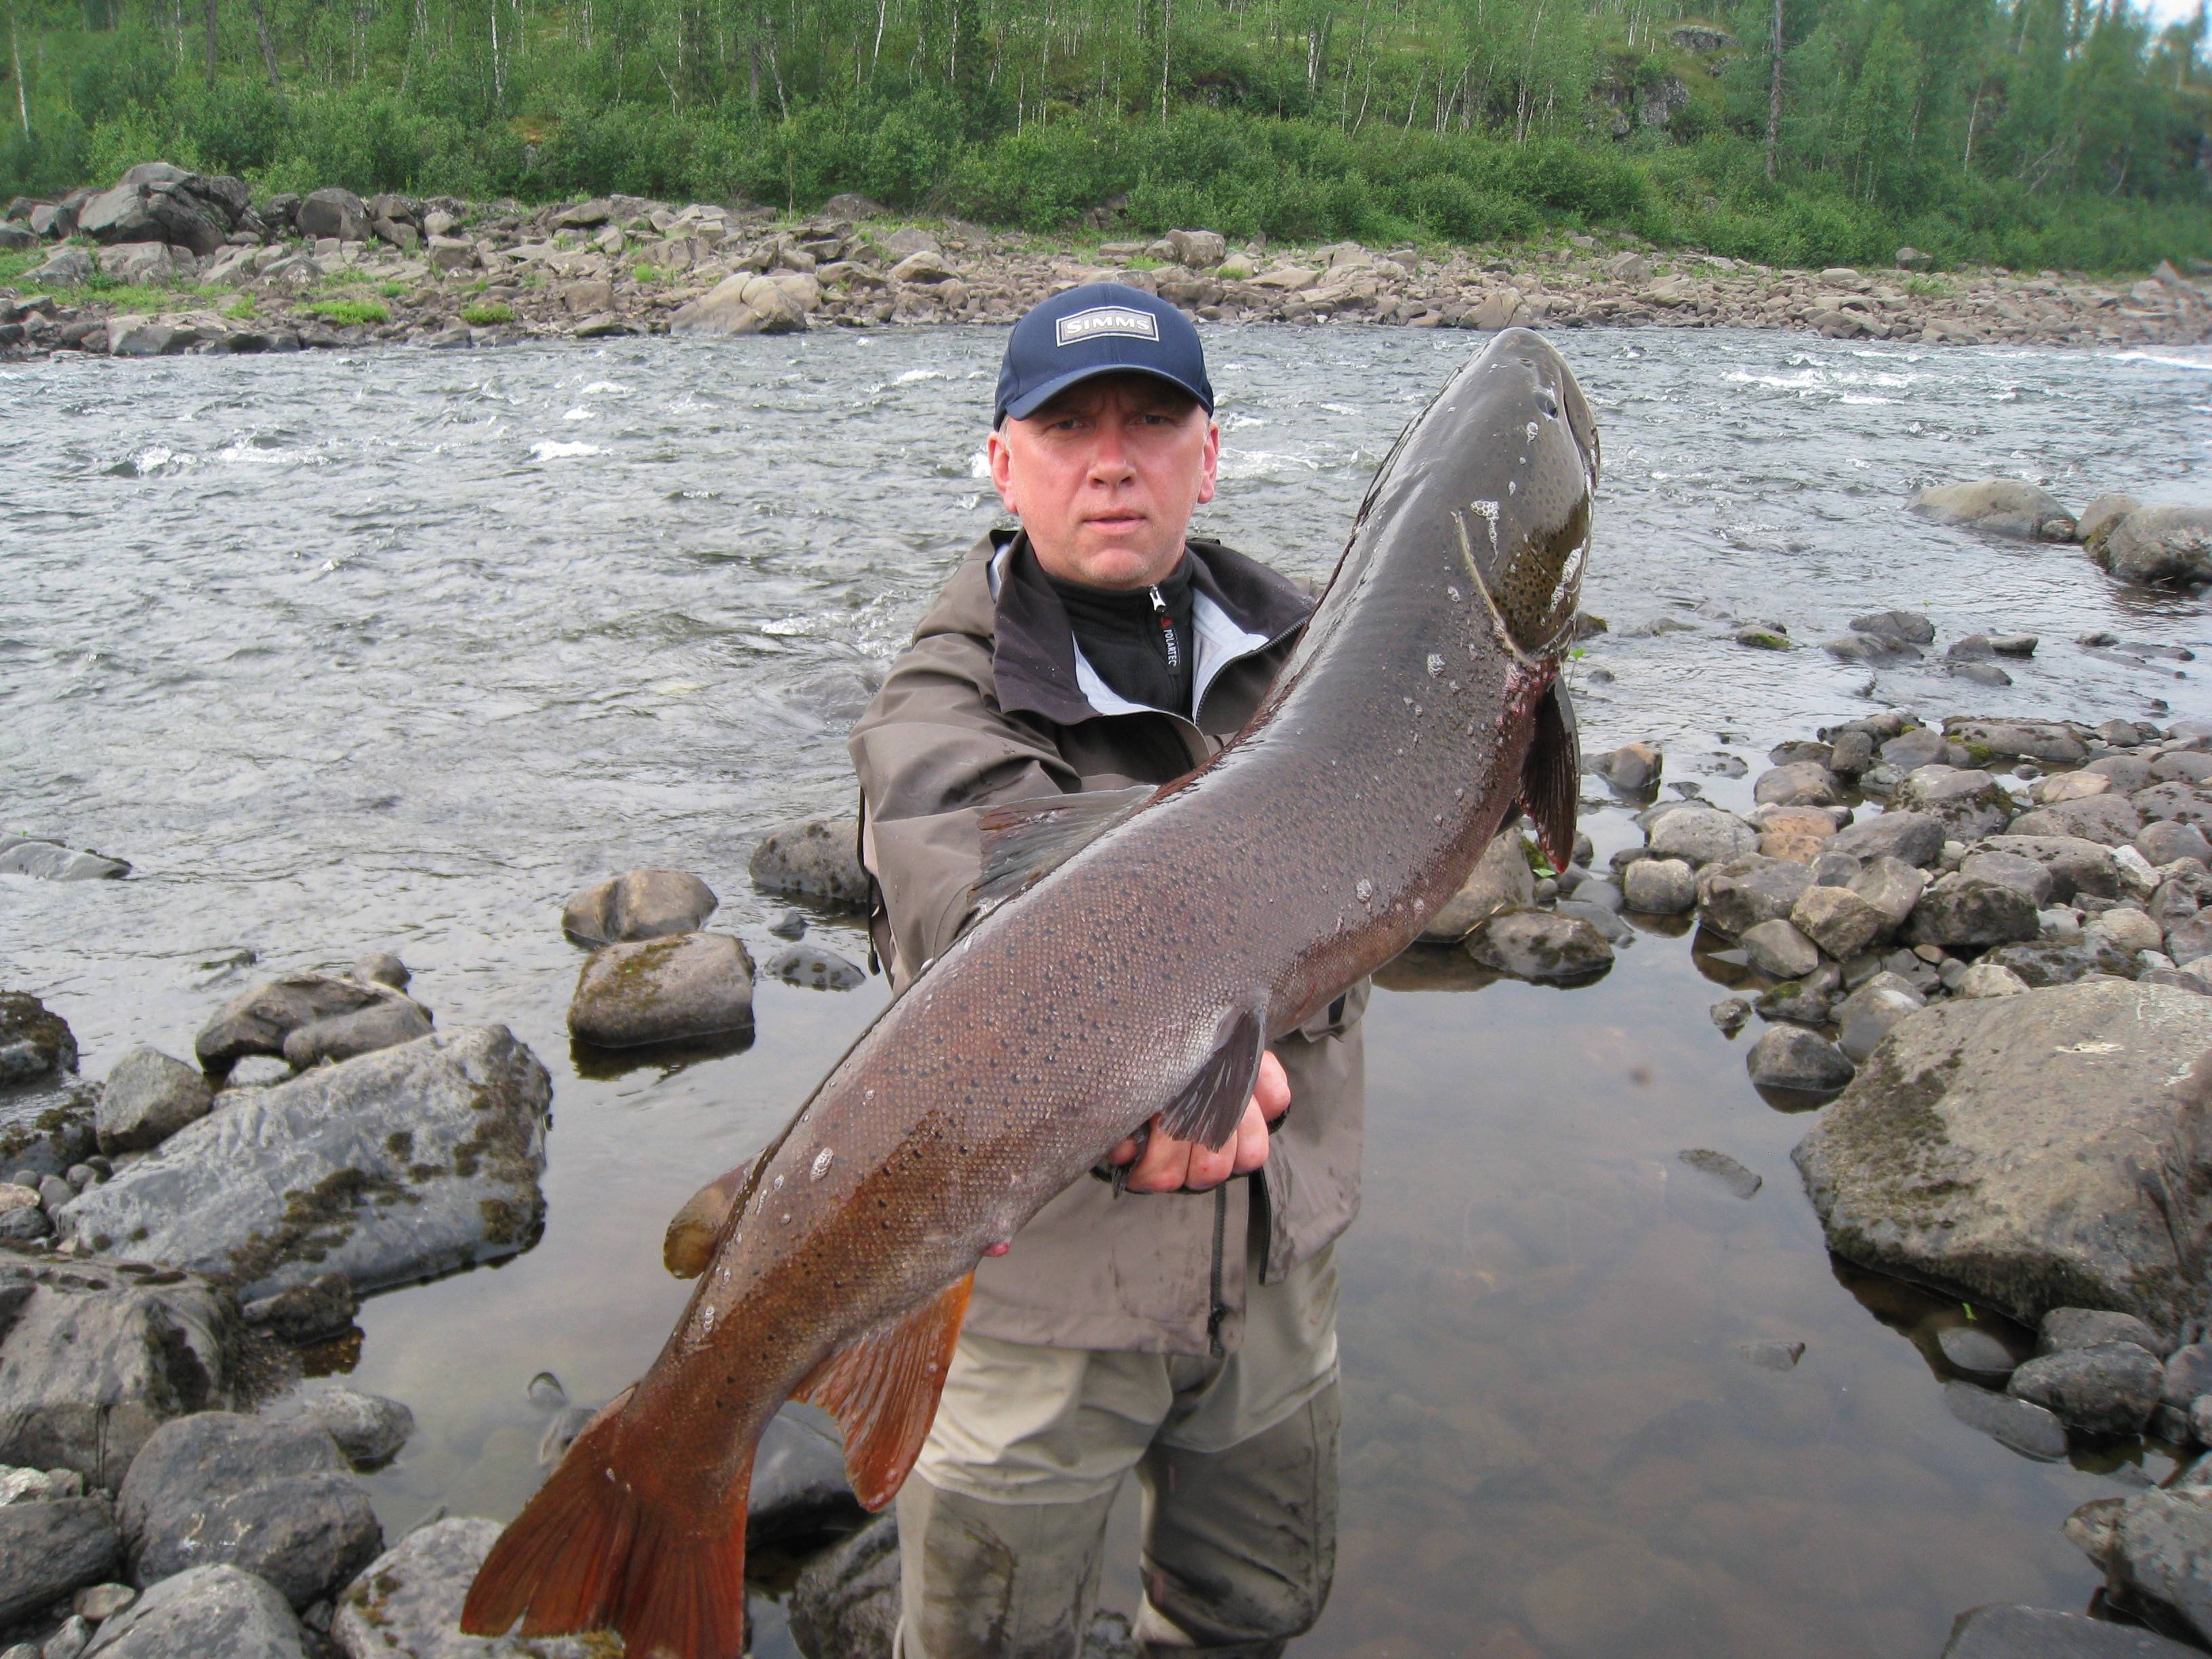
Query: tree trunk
point(22, 95)
point(1774, 89)
point(268, 50)
point(1164, 19)
point(210, 42)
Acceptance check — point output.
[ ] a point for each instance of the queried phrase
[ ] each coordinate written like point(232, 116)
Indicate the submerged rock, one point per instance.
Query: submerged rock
point(2002, 507)
point(2015, 1633)
point(404, 1163)
point(2030, 1430)
point(690, 985)
point(205, 1610)
point(1996, 1146)
point(812, 966)
point(641, 904)
point(94, 1358)
point(274, 1498)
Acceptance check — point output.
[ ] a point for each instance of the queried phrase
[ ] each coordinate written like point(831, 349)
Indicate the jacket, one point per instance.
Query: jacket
point(992, 703)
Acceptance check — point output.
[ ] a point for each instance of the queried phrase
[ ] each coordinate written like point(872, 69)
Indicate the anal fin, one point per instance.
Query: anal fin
point(1025, 841)
point(1551, 777)
point(882, 1390)
point(1209, 1107)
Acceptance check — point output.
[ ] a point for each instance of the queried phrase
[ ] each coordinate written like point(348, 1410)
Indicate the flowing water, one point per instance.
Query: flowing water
point(395, 651)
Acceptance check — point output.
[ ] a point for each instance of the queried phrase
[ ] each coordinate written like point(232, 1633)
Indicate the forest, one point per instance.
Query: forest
point(2026, 133)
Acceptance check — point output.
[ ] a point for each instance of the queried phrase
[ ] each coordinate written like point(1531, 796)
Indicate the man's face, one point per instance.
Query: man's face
point(1104, 478)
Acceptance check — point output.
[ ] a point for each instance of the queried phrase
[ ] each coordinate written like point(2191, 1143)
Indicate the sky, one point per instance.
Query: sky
point(2169, 11)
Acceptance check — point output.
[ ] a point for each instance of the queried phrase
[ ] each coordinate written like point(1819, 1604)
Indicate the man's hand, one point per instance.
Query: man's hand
point(1169, 1165)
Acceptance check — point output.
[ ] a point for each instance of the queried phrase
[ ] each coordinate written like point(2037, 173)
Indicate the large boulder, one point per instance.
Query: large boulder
point(1967, 802)
point(203, 1611)
point(638, 905)
point(266, 1019)
point(1542, 946)
point(2044, 741)
point(1702, 835)
point(663, 990)
point(2002, 1146)
point(399, 1165)
point(48, 1549)
point(2158, 546)
point(2078, 866)
point(817, 859)
point(339, 213)
point(745, 303)
point(2155, 1548)
point(146, 1098)
point(35, 855)
point(406, 1604)
point(156, 202)
point(1914, 837)
point(2108, 819)
point(1501, 880)
point(2002, 507)
point(95, 1355)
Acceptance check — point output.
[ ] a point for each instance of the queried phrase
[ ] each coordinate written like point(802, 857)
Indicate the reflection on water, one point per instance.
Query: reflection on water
point(396, 652)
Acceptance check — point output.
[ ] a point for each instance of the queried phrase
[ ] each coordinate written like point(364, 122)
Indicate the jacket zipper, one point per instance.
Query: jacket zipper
point(1168, 641)
point(1220, 1235)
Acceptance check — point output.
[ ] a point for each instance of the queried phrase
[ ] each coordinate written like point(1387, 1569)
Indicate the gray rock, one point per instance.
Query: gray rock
point(65, 267)
point(2111, 1389)
point(39, 1486)
point(1975, 1352)
point(274, 1498)
point(48, 1549)
point(205, 1611)
point(402, 1163)
point(2127, 929)
point(814, 859)
point(2164, 842)
point(2078, 867)
point(100, 1602)
point(1542, 947)
point(339, 213)
point(789, 924)
point(2187, 1374)
point(1660, 887)
point(1778, 949)
point(1850, 753)
point(1736, 896)
point(1909, 627)
point(1868, 1014)
point(2022, 874)
point(2032, 1430)
point(847, 1600)
point(2100, 515)
point(94, 1358)
point(382, 968)
point(2012, 1632)
point(46, 1129)
point(2174, 803)
point(147, 1097)
point(369, 1429)
point(1922, 746)
point(2001, 507)
point(1807, 1000)
point(387, 1023)
point(49, 860)
point(1771, 1354)
point(799, 1492)
point(818, 969)
point(690, 985)
point(2156, 1547)
point(70, 1641)
point(1910, 837)
point(1737, 1181)
point(1998, 1146)
point(641, 904)
point(1988, 979)
point(1731, 1014)
point(1965, 913)
point(1633, 767)
point(2064, 1328)
point(1969, 804)
point(406, 1604)
point(2043, 964)
point(2158, 547)
point(36, 1045)
point(1801, 783)
point(1792, 1057)
point(1840, 922)
point(2046, 742)
point(1702, 835)
point(744, 303)
point(304, 1312)
point(1501, 880)
point(2107, 819)
point(258, 1021)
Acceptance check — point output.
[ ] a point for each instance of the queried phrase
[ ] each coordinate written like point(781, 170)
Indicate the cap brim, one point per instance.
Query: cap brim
point(1023, 407)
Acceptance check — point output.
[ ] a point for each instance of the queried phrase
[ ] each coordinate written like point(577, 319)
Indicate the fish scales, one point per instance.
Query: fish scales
point(1311, 850)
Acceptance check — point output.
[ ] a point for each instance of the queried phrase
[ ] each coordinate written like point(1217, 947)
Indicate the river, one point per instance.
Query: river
point(394, 651)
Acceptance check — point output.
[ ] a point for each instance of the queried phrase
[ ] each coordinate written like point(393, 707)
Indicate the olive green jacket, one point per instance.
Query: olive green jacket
point(991, 703)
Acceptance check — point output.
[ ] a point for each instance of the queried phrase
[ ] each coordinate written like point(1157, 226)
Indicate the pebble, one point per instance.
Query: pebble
point(2032, 1430)
point(99, 1602)
point(1769, 1355)
point(1976, 1353)
point(1731, 1014)
point(1792, 1057)
point(1732, 1175)
point(789, 924)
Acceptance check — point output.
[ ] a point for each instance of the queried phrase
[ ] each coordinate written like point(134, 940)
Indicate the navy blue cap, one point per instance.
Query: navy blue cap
point(1101, 328)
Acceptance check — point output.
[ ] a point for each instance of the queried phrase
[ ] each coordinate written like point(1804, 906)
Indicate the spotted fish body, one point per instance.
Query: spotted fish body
point(1142, 976)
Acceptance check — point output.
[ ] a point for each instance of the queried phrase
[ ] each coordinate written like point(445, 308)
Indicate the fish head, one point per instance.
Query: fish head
point(1519, 460)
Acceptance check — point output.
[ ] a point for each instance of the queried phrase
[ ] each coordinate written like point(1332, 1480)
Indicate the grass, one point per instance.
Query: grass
point(647, 271)
point(392, 290)
point(347, 312)
point(13, 266)
point(485, 312)
point(1928, 288)
point(241, 309)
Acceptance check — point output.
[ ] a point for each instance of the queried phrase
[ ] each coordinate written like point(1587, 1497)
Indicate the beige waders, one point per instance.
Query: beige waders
point(1002, 1525)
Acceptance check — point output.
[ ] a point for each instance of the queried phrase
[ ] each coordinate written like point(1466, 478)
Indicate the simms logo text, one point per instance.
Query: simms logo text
point(1106, 320)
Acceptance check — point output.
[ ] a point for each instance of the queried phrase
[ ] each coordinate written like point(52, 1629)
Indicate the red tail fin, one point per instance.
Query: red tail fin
point(591, 1552)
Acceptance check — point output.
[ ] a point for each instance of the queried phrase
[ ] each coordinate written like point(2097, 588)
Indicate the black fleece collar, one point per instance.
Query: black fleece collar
point(1033, 647)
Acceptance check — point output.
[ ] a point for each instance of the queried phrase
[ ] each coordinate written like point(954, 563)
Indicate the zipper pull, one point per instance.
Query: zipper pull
point(1167, 629)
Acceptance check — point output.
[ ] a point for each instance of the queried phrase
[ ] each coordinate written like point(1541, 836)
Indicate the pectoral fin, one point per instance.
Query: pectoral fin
point(1024, 841)
point(1208, 1107)
point(1551, 777)
point(689, 1244)
point(882, 1390)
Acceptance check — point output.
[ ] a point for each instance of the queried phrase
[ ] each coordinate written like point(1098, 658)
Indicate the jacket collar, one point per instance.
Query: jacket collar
point(1239, 607)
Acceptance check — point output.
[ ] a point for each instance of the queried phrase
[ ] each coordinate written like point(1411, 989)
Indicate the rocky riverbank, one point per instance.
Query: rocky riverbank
point(167, 261)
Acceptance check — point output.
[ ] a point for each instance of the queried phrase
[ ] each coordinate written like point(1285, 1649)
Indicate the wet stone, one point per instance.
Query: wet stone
point(407, 1602)
point(1867, 1015)
point(789, 924)
point(1736, 896)
point(2031, 1429)
point(314, 1308)
point(382, 968)
point(1501, 880)
point(1731, 1014)
point(1730, 1176)
point(689, 985)
point(811, 965)
point(2065, 1329)
point(1778, 949)
point(1791, 1058)
point(369, 1430)
point(1772, 1355)
point(2016, 1632)
point(50, 1548)
point(1910, 627)
point(1976, 1353)
point(641, 904)
point(205, 1611)
point(1806, 1002)
point(1660, 887)
point(813, 859)
point(1541, 946)
point(259, 1021)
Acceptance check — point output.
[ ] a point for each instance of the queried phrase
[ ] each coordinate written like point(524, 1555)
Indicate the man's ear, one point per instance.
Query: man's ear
point(1213, 461)
point(1001, 457)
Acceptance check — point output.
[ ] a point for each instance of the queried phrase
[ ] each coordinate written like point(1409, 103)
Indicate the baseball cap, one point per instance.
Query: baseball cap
point(1100, 328)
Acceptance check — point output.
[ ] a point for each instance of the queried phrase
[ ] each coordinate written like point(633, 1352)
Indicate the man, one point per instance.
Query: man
point(1178, 1316)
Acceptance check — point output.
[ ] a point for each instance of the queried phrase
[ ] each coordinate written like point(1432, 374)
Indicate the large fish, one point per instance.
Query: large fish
point(1420, 705)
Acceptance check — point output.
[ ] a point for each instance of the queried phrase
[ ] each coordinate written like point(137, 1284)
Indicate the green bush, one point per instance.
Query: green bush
point(347, 312)
point(485, 312)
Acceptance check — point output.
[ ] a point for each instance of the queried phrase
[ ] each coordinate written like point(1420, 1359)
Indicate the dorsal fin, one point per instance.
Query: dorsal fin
point(1209, 1107)
point(1025, 841)
point(883, 1391)
point(1551, 780)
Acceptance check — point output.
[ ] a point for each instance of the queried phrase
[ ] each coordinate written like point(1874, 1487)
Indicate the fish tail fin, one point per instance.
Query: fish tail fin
point(590, 1552)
